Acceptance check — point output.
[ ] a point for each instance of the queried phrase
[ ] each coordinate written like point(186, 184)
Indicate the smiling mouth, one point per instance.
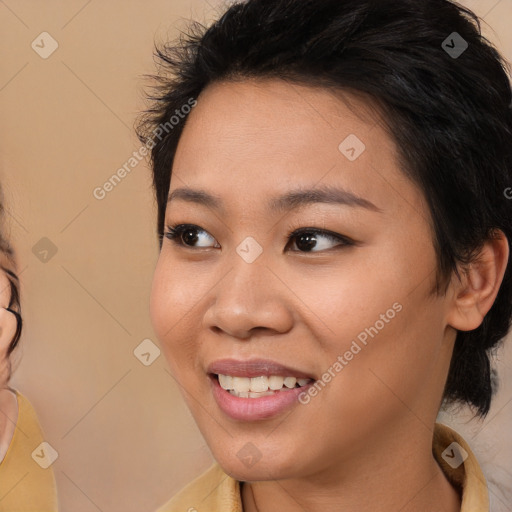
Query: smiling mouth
point(256, 387)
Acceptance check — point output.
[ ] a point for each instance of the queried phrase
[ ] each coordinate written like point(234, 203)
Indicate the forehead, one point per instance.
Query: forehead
point(271, 115)
point(258, 138)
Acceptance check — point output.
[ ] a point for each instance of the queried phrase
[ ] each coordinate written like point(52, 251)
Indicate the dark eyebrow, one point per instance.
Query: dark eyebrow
point(289, 201)
point(196, 196)
point(320, 194)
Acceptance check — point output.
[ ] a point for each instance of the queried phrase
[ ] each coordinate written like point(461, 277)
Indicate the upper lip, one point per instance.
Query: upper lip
point(254, 368)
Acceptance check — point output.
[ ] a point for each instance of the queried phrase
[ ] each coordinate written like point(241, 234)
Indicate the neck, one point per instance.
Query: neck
point(393, 474)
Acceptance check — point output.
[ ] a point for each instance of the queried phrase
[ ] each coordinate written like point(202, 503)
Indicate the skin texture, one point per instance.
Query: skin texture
point(366, 438)
point(8, 400)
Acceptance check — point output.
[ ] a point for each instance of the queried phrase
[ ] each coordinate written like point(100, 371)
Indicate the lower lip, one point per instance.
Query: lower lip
point(252, 409)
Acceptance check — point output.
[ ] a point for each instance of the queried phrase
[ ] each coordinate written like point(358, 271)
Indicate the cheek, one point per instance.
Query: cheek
point(157, 303)
point(169, 300)
point(380, 319)
point(171, 305)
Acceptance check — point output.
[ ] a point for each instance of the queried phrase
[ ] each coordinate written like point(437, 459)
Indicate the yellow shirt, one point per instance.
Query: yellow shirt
point(25, 486)
point(215, 491)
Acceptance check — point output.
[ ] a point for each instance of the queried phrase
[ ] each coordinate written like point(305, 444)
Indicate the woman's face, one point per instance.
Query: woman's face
point(352, 313)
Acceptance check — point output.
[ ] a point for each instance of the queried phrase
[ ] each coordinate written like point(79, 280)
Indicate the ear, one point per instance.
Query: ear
point(475, 293)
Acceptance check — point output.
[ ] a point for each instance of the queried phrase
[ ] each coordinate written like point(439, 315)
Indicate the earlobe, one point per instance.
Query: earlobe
point(474, 294)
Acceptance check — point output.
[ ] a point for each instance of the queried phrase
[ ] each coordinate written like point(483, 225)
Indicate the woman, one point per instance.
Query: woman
point(27, 483)
point(334, 249)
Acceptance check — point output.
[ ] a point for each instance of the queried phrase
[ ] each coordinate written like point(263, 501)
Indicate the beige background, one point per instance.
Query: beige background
point(125, 440)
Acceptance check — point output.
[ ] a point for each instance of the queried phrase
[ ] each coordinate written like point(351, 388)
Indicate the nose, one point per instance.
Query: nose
point(248, 299)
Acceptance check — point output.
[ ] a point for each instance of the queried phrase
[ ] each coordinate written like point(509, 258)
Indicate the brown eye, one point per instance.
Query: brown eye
point(186, 235)
point(307, 239)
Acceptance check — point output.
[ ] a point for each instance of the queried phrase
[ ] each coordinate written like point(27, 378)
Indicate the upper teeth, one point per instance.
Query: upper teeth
point(259, 384)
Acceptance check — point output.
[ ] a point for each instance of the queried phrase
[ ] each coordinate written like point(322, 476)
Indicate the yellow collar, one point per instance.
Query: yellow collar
point(468, 476)
point(215, 491)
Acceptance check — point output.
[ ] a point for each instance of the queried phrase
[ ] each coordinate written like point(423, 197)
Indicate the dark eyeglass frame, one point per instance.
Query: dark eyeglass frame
point(17, 334)
point(14, 301)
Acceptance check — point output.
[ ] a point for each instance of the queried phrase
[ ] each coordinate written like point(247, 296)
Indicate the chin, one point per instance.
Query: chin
point(249, 464)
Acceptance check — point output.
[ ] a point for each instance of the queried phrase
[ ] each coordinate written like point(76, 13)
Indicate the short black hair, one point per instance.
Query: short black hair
point(443, 90)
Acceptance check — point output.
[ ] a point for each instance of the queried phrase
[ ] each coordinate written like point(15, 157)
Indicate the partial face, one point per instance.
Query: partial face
point(8, 327)
point(341, 307)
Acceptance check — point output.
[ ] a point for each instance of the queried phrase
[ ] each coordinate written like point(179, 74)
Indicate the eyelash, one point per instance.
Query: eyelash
point(175, 231)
